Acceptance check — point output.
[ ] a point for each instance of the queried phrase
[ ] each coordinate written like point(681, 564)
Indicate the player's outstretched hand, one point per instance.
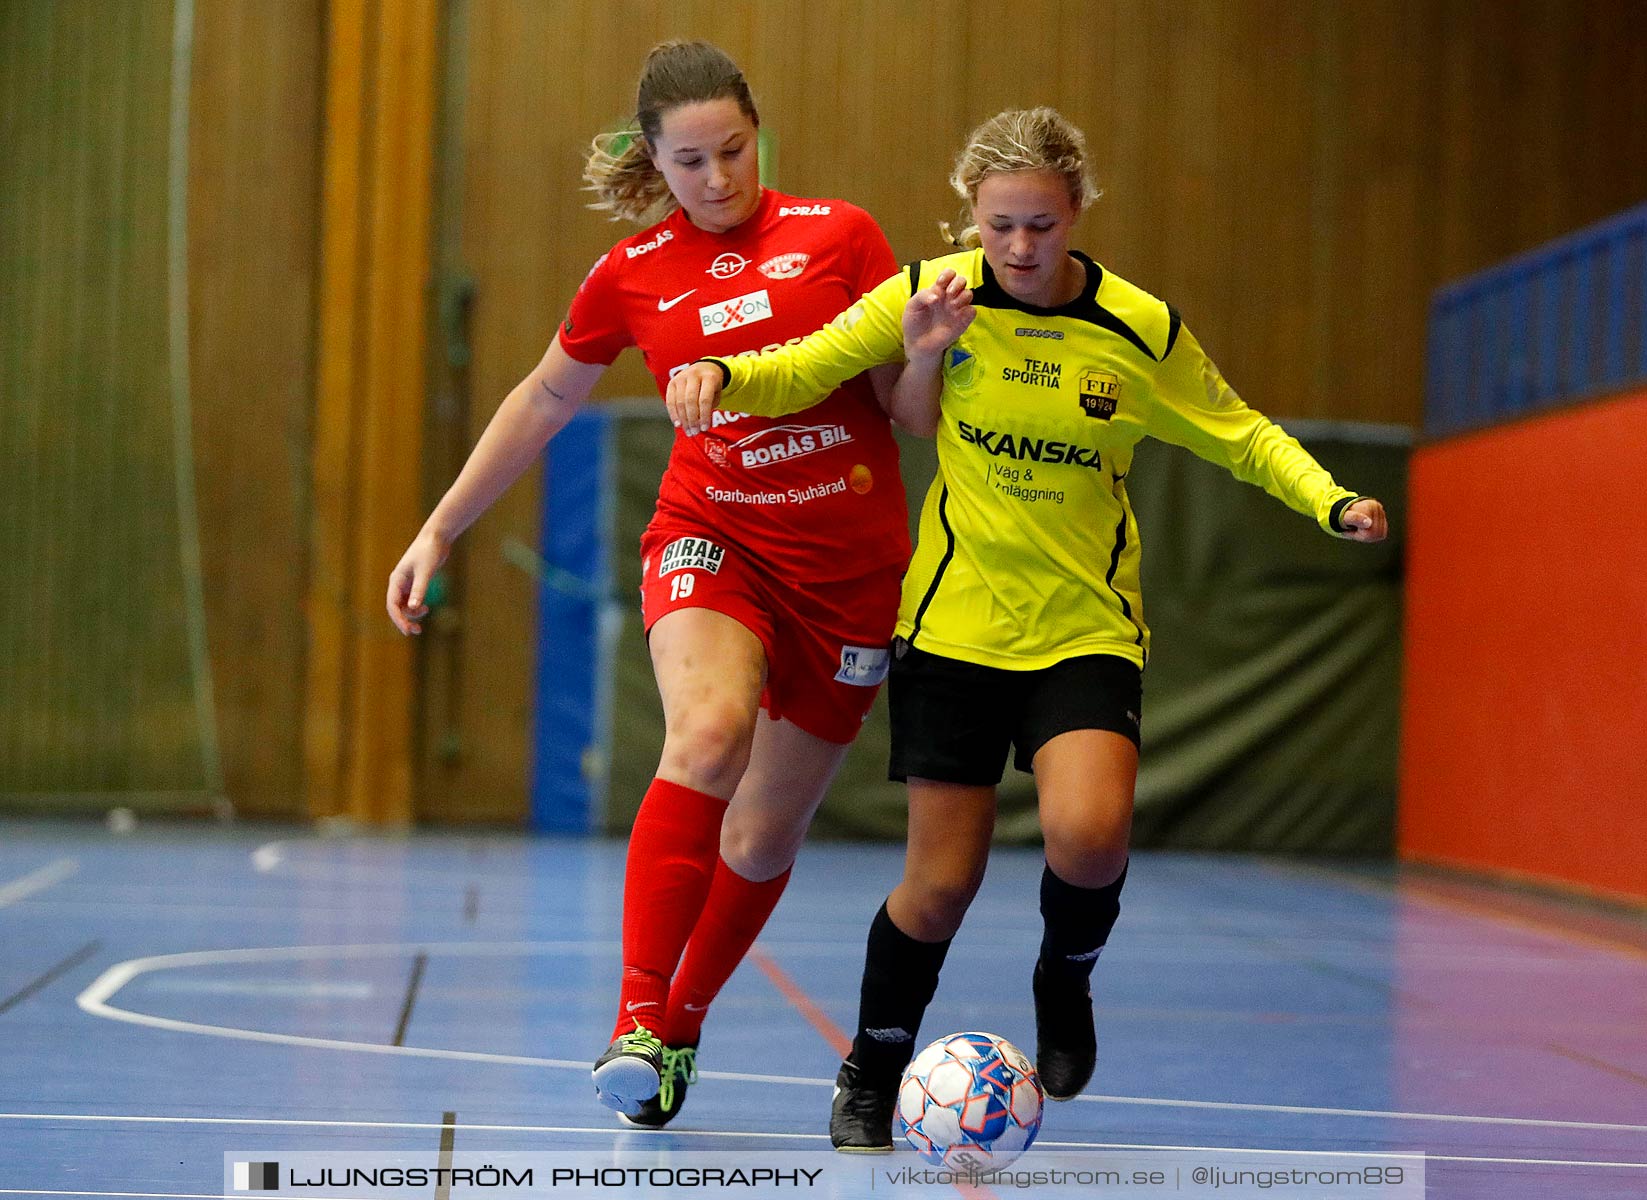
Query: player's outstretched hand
point(935, 316)
point(691, 397)
point(409, 582)
point(1365, 521)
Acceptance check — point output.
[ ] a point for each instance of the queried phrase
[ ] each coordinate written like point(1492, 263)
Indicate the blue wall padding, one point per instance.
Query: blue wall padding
point(568, 727)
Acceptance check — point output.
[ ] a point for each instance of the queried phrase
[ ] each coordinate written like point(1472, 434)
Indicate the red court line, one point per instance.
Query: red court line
point(832, 1034)
point(791, 991)
point(1438, 894)
point(1558, 925)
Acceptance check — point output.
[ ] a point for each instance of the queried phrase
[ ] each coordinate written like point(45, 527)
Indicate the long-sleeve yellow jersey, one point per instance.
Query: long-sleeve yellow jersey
point(1028, 551)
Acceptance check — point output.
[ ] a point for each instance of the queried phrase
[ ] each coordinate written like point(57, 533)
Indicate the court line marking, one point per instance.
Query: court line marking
point(768, 1136)
point(420, 962)
point(1495, 1160)
point(1379, 1114)
point(791, 991)
point(50, 976)
point(95, 1001)
point(1429, 895)
point(448, 1136)
point(1439, 897)
point(1600, 1064)
point(154, 1195)
point(836, 1038)
point(1425, 1155)
point(1480, 910)
point(38, 881)
point(267, 988)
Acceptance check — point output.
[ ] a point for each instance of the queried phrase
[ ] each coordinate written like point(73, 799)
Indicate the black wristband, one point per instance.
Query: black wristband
point(1335, 518)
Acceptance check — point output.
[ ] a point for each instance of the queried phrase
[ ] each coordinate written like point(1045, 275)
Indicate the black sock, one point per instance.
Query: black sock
point(900, 977)
point(1077, 924)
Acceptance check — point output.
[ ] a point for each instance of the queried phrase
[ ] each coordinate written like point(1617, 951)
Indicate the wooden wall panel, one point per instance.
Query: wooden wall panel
point(360, 745)
point(1295, 175)
point(1283, 169)
point(1543, 119)
point(515, 184)
point(253, 247)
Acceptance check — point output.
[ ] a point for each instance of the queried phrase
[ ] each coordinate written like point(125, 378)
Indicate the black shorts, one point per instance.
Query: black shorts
point(952, 721)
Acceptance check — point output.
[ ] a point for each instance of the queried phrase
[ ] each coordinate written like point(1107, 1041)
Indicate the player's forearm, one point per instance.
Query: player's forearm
point(786, 379)
point(913, 400)
point(778, 382)
point(529, 416)
point(1265, 457)
point(1270, 458)
point(1200, 411)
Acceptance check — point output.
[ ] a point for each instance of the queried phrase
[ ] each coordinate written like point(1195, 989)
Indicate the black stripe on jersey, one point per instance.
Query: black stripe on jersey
point(1085, 307)
point(943, 563)
point(1174, 324)
point(1105, 319)
point(914, 276)
point(1114, 565)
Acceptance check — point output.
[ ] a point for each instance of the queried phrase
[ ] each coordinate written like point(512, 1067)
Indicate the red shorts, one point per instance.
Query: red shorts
point(827, 644)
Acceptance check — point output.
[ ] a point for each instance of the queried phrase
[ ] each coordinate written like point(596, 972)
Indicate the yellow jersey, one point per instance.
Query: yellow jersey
point(1028, 551)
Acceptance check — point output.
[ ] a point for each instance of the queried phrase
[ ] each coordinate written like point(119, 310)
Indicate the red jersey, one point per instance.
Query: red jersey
point(816, 495)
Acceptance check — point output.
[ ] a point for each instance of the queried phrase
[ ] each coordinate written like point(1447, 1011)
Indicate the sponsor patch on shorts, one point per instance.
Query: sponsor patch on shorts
point(690, 554)
point(863, 666)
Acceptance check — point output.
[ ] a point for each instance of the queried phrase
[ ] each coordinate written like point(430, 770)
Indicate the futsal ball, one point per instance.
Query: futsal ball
point(970, 1100)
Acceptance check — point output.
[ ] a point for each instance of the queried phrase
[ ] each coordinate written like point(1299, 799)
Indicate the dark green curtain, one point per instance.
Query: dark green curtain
point(99, 695)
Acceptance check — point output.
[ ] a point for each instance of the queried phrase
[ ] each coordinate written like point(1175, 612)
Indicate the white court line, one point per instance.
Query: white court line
point(1407, 1154)
point(95, 1001)
point(469, 1126)
point(156, 1195)
point(728, 1133)
point(1235, 1106)
point(38, 881)
point(266, 988)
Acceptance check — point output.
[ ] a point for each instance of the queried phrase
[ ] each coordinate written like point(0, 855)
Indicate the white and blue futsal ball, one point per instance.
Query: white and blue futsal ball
point(970, 1100)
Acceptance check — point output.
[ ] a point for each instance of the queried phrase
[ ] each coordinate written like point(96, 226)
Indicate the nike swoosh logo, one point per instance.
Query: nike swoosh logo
point(634, 1004)
point(694, 1007)
point(666, 305)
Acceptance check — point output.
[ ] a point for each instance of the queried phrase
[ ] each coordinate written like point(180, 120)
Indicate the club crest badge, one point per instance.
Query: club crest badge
point(1100, 393)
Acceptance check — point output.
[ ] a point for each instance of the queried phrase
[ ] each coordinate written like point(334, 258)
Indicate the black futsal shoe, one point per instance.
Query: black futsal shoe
point(630, 1072)
point(1066, 1046)
point(860, 1119)
point(680, 1068)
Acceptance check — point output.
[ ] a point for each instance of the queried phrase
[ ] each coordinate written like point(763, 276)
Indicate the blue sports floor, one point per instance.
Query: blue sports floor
point(177, 993)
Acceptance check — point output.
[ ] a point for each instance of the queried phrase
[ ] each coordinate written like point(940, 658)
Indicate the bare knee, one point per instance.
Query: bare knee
point(761, 845)
point(930, 906)
point(708, 749)
point(1088, 853)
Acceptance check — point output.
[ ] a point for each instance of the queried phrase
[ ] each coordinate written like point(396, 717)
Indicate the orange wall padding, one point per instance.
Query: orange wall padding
point(1524, 713)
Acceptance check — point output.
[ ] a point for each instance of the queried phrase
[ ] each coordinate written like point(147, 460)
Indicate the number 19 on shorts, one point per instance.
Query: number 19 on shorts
point(681, 587)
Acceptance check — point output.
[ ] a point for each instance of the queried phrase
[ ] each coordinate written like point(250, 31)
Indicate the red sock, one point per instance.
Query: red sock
point(733, 917)
point(672, 852)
